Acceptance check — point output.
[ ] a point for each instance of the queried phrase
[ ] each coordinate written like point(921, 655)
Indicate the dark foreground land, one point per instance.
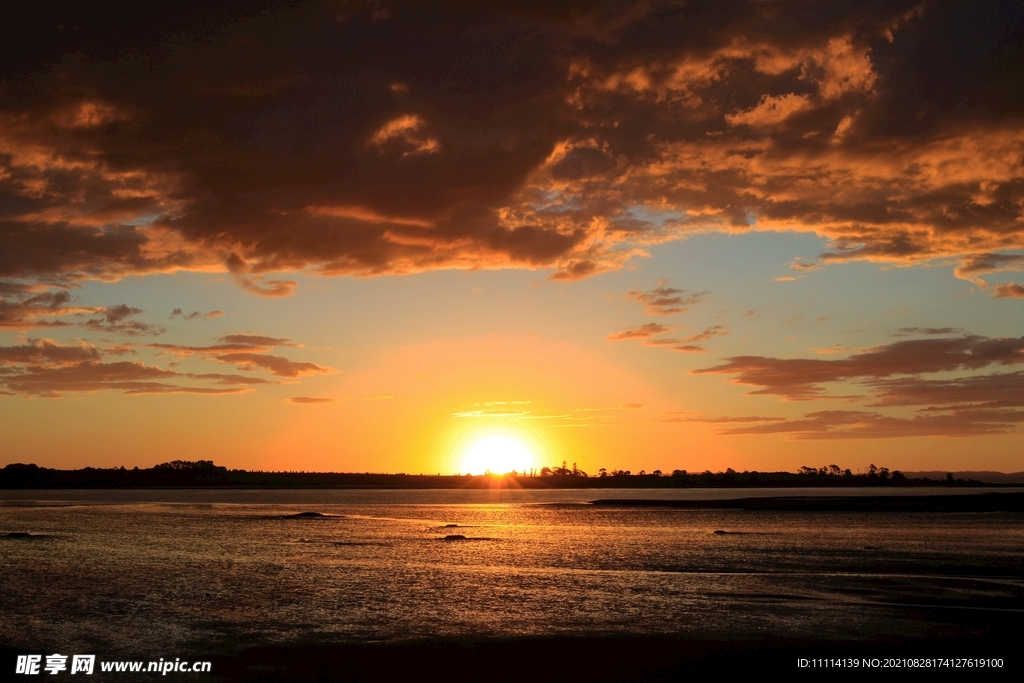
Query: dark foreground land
point(988, 653)
point(597, 660)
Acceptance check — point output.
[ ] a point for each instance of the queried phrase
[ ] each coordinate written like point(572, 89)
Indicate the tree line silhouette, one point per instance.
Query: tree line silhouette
point(204, 473)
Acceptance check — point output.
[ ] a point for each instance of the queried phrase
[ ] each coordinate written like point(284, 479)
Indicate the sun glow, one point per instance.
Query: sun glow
point(497, 455)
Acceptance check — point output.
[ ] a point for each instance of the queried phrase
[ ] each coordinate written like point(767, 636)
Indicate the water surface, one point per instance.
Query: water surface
point(193, 571)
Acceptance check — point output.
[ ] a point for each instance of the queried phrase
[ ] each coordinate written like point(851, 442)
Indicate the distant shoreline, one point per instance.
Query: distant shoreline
point(976, 502)
point(205, 474)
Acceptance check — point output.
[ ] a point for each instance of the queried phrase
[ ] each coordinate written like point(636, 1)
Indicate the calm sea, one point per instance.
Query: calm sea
point(186, 572)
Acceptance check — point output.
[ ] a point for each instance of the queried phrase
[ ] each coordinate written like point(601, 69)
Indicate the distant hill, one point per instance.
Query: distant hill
point(985, 477)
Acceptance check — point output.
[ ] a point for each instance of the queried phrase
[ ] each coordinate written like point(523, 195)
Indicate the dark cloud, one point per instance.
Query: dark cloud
point(88, 376)
point(114, 319)
point(46, 368)
point(689, 348)
point(49, 353)
point(1008, 290)
point(250, 343)
point(177, 312)
point(989, 391)
point(641, 332)
point(980, 264)
point(24, 306)
point(927, 330)
point(708, 333)
point(676, 344)
point(856, 424)
point(310, 399)
point(665, 300)
point(256, 340)
point(172, 389)
point(270, 137)
point(664, 341)
point(802, 379)
point(181, 350)
point(221, 378)
point(29, 306)
point(891, 378)
point(276, 365)
point(720, 420)
point(248, 352)
point(576, 270)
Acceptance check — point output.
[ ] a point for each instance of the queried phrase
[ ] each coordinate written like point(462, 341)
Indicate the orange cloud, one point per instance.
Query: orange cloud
point(361, 213)
point(406, 134)
point(770, 111)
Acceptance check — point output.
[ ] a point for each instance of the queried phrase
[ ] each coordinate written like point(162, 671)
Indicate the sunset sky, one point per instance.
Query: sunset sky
point(352, 236)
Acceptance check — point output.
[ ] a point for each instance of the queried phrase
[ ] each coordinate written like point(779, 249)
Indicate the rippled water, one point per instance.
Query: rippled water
point(180, 572)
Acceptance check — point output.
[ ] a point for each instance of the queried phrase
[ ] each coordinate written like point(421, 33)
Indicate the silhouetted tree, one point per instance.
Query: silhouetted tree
point(188, 465)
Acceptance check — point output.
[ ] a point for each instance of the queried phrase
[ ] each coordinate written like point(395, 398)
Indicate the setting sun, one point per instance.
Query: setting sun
point(498, 455)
